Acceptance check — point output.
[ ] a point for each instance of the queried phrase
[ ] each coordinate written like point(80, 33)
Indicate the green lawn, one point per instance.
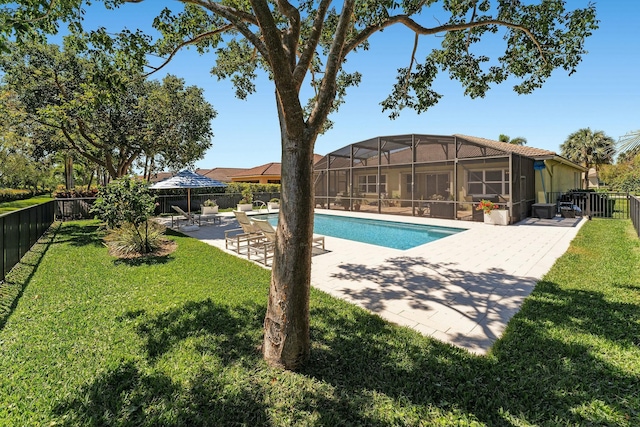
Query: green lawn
point(88, 340)
point(20, 204)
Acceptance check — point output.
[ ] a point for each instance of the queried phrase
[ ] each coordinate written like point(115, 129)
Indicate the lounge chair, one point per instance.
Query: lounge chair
point(238, 238)
point(188, 217)
point(264, 249)
point(246, 223)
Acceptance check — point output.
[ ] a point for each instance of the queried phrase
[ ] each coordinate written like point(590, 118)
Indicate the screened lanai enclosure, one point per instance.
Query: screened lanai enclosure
point(427, 175)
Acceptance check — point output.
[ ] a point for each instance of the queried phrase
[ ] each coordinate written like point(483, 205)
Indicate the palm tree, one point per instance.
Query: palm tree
point(518, 140)
point(629, 144)
point(588, 148)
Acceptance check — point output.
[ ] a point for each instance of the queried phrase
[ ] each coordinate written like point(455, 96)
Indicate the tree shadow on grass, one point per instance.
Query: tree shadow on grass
point(144, 260)
point(532, 377)
point(129, 396)
point(17, 280)
point(80, 233)
point(233, 333)
point(358, 361)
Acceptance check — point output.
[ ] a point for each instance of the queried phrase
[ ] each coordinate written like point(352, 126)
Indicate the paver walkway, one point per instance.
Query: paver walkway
point(462, 289)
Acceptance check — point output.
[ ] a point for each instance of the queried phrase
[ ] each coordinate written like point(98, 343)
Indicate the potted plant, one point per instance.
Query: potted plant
point(274, 203)
point(493, 214)
point(209, 207)
point(246, 203)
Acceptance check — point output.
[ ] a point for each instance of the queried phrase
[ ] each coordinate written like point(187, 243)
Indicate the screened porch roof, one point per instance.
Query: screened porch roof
point(396, 149)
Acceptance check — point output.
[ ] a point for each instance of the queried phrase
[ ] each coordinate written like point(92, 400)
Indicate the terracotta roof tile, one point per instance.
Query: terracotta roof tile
point(271, 169)
point(221, 174)
point(505, 146)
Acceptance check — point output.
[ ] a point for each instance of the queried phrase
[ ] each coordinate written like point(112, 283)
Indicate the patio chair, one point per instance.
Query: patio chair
point(246, 223)
point(238, 238)
point(189, 217)
point(265, 248)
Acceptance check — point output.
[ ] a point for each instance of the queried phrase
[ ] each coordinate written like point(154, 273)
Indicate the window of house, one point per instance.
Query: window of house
point(368, 184)
point(437, 184)
point(491, 181)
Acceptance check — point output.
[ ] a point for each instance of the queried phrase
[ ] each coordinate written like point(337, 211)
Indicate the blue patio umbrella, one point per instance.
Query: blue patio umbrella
point(187, 179)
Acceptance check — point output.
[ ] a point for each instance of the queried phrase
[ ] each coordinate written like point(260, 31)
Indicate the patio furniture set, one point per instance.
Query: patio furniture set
point(257, 238)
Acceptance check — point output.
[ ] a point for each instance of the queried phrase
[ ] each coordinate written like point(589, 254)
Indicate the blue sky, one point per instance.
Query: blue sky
point(604, 94)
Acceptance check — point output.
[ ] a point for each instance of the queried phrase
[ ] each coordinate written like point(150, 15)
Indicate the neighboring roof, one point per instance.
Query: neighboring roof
point(221, 174)
point(269, 169)
point(317, 158)
point(159, 176)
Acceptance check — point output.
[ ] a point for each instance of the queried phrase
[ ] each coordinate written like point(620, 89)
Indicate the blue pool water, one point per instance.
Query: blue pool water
point(390, 234)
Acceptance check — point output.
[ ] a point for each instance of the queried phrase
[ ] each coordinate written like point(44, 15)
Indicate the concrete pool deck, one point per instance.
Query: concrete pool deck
point(462, 289)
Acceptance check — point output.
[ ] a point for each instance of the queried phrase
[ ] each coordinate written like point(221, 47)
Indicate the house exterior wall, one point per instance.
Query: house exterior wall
point(556, 178)
point(258, 179)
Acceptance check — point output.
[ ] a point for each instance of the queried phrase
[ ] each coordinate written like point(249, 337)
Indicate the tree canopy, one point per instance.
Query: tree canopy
point(309, 42)
point(69, 100)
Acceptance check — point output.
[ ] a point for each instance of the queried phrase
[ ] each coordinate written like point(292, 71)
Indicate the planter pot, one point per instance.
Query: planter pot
point(245, 206)
point(273, 205)
point(497, 217)
point(209, 210)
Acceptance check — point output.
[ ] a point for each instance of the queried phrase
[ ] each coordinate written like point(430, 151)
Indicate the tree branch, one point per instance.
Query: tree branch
point(292, 35)
point(335, 59)
point(186, 43)
point(420, 30)
point(279, 62)
point(312, 43)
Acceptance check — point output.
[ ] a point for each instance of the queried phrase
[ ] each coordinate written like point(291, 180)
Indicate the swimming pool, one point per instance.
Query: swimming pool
point(390, 234)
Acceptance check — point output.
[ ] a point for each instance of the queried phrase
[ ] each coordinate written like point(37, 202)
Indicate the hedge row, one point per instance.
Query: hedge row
point(11, 195)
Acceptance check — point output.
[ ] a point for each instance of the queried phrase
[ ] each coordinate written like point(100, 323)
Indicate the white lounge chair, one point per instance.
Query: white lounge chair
point(188, 217)
point(239, 238)
point(264, 249)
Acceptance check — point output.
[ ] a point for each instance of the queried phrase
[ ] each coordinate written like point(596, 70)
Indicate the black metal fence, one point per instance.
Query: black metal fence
point(73, 208)
point(594, 204)
point(634, 212)
point(20, 230)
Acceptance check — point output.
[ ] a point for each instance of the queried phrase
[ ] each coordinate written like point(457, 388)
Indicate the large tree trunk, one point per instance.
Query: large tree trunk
point(68, 172)
point(286, 339)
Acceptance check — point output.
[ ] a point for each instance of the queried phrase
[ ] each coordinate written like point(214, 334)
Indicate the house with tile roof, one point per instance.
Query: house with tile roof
point(442, 176)
point(269, 173)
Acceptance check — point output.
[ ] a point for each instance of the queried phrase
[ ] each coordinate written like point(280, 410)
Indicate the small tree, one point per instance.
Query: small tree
point(127, 201)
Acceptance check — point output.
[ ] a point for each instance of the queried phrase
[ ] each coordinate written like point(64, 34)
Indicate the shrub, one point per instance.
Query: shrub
point(126, 205)
point(11, 195)
point(247, 196)
point(124, 200)
point(62, 193)
point(129, 239)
